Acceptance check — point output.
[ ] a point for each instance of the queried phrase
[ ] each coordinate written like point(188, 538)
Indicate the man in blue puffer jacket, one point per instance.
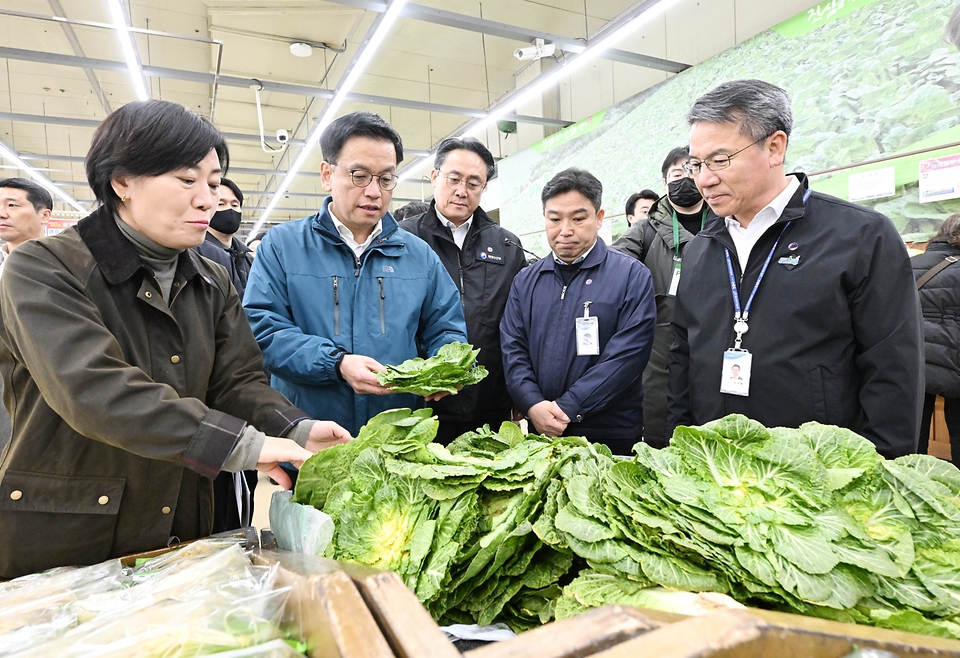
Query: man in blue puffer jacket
point(334, 296)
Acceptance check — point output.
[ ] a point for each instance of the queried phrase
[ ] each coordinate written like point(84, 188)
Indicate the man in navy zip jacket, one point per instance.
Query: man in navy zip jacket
point(578, 327)
point(828, 325)
point(335, 296)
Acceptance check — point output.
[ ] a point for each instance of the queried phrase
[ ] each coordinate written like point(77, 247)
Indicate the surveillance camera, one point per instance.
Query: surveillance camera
point(538, 50)
point(283, 136)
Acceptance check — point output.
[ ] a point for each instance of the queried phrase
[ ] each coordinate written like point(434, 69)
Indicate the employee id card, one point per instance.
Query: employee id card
point(675, 280)
point(588, 333)
point(735, 376)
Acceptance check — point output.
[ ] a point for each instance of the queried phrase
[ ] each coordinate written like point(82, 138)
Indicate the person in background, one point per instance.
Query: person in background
point(638, 206)
point(253, 244)
point(333, 296)
point(938, 283)
point(578, 326)
point(659, 243)
point(220, 244)
point(25, 208)
point(232, 492)
point(137, 376)
point(482, 259)
point(412, 209)
point(812, 296)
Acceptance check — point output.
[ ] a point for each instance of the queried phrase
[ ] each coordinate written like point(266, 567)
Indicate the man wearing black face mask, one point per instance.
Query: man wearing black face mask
point(232, 492)
point(220, 245)
point(658, 242)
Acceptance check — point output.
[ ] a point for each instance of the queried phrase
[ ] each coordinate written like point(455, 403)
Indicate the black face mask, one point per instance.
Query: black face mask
point(226, 221)
point(683, 193)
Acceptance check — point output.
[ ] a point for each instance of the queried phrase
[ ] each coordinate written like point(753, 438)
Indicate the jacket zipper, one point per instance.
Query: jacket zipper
point(563, 293)
point(336, 306)
point(383, 320)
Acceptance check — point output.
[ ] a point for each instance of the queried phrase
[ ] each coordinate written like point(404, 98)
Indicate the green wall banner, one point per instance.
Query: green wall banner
point(869, 80)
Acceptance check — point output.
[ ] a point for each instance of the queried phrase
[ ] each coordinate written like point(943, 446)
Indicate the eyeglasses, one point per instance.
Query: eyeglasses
point(717, 162)
point(362, 178)
point(453, 182)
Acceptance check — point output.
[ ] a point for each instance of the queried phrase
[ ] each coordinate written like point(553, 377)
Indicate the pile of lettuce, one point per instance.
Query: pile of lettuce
point(522, 529)
point(454, 366)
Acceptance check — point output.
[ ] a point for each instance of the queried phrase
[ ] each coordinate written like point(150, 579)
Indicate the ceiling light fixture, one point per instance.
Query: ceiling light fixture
point(129, 51)
point(542, 84)
point(301, 49)
point(375, 37)
point(11, 155)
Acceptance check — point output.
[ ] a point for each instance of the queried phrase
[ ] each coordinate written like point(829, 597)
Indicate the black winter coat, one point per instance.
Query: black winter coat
point(940, 304)
point(834, 328)
point(236, 260)
point(483, 272)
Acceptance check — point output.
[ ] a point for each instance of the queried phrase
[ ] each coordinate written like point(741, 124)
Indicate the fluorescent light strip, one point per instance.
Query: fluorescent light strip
point(539, 87)
point(40, 178)
point(387, 19)
point(129, 52)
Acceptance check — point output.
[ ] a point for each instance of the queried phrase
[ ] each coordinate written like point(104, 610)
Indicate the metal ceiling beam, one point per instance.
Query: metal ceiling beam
point(200, 77)
point(513, 32)
point(93, 123)
point(78, 50)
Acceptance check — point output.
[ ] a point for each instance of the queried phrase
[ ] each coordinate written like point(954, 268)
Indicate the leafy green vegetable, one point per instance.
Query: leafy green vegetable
point(454, 366)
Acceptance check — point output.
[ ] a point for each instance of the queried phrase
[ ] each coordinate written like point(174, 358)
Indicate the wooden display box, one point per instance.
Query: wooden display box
point(762, 634)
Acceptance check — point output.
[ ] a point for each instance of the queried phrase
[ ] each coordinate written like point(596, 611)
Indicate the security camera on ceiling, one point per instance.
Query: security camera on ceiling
point(538, 50)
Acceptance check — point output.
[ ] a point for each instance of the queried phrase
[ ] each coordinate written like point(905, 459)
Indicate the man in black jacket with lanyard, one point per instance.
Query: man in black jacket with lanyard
point(812, 297)
point(482, 259)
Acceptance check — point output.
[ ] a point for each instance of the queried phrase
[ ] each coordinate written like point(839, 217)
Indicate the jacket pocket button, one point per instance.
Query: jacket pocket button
point(103, 500)
point(165, 510)
point(148, 294)
point(174, 359)
point(16, 495)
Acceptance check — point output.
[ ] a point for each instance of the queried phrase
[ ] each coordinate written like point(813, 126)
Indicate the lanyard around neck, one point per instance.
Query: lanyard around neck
point(676, 229)
point(740, 318)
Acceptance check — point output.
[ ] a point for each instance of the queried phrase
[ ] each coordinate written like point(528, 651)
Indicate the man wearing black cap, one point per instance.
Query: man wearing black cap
point(220, 244)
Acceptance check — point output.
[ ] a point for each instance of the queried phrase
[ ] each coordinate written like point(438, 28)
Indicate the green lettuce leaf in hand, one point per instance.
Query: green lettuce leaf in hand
point(453, 367)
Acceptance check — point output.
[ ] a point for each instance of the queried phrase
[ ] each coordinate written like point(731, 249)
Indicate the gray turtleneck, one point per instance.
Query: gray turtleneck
point(161, 260)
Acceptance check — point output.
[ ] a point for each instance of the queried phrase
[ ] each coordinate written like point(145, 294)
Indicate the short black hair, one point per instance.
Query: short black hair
point(574, 180)
point(357, 124)
point(234, 188)
point(471, 144)
point(674, 156)
point(149, 138)
point(412, 209)
point(649, 195)
point(37, 195)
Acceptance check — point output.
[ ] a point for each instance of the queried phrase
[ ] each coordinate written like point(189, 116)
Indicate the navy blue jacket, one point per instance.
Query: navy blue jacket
point(602, 395)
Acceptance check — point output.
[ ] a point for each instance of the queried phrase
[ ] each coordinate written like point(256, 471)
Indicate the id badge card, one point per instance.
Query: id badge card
point(735, 377)
point(588, 333)
point(675, 280)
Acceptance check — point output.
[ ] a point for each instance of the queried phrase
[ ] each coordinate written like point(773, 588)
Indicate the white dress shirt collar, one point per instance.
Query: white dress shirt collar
point(744, 239)
point(347, 234)
point(459, 232)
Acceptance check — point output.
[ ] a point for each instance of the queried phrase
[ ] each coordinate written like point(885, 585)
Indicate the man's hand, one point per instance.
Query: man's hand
point(440, 394)
point(277, 450)
point(361, 373)
point(325, 434)
point(548, 418)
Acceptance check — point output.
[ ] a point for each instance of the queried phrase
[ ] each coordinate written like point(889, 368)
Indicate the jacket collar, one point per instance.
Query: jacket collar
point(116, 257)
point(323, 223)
point(593, 259)
point(236, 245)
point(661, 218)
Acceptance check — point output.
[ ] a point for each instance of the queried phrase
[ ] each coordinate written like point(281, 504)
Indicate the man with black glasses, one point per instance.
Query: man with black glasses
point(482, 259)
point(811, 297)
point(334, 296)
